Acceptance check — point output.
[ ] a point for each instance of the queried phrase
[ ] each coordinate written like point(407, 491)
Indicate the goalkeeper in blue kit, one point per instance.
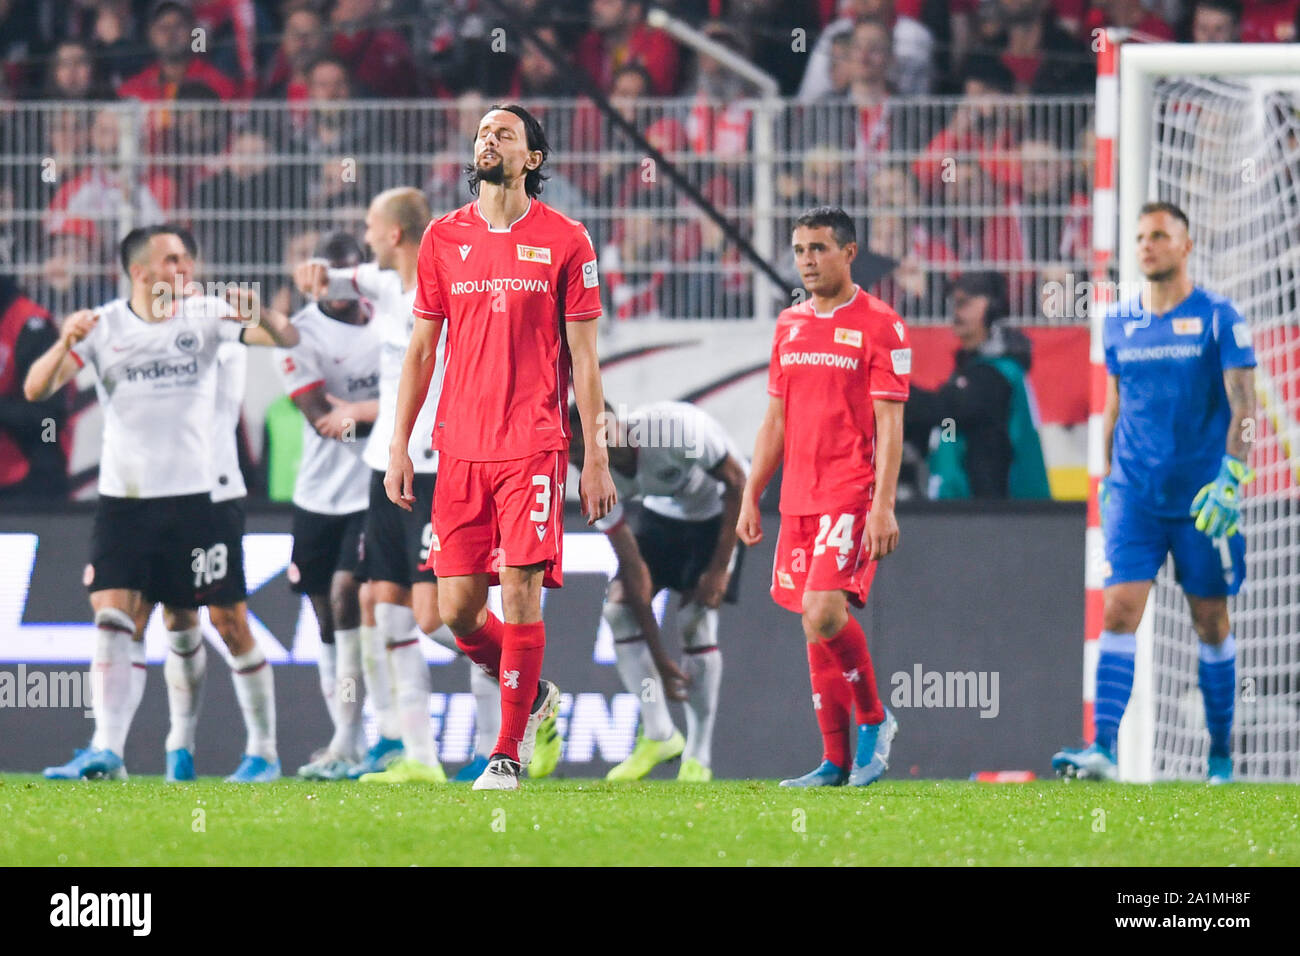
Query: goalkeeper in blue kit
point(1179, 398)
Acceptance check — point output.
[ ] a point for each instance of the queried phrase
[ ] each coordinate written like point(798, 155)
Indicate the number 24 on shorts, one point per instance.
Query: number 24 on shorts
point(838, 536)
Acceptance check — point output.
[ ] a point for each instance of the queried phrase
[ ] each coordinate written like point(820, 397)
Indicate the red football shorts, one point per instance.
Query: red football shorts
point(493, 514)
point(821, 553)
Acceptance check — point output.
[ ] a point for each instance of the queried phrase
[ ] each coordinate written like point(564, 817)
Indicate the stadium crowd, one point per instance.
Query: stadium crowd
point(276, 116)
point(852, 130)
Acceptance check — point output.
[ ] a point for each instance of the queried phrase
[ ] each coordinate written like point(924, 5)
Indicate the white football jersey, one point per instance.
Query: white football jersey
point(677, 445)
point(343, 360)
point(396, 321)
point(157, 382)
point(232, 375)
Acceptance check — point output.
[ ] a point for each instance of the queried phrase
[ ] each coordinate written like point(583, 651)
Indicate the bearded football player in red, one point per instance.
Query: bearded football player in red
point(515, 283)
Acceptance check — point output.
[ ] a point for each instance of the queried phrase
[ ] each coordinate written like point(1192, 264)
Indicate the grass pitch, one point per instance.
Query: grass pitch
point(567, 822)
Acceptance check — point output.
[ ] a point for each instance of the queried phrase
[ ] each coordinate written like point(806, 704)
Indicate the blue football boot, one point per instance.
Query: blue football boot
point(872, 757)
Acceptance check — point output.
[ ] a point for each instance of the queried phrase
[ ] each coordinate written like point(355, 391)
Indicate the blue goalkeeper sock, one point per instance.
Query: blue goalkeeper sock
point(1114, 685)
point(1217, 673)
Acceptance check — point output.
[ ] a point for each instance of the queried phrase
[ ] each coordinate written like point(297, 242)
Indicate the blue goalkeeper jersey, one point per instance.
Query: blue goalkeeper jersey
point(1173, 409)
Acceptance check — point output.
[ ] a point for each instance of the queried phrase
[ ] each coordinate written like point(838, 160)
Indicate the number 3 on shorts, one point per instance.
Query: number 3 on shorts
point(543, 485)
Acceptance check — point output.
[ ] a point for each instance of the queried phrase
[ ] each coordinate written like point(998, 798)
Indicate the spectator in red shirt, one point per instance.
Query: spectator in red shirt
point(171, 23)
point(535, 75)
point(302, 43)
point(1129, 14)
point(1269, 21)
point(33, 448)
point(378, 59)
point(719, 121)
point(1215, 21)
point(619, 36)
point(897, 228)
point(1044, 58)
point(231, 27)
point(984, 127)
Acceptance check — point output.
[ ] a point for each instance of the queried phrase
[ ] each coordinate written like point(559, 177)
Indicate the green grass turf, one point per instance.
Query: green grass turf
point(569, 822)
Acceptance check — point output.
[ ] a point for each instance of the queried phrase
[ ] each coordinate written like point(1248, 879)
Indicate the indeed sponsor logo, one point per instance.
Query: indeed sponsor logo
point(500, 285)
point(158, 369)
point(819, 358)
point(370, 381)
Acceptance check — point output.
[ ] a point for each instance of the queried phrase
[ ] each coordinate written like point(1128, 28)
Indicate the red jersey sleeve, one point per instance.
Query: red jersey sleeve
point(891, 358)
point(428, 297)
point(775, 375)
point(581, 281)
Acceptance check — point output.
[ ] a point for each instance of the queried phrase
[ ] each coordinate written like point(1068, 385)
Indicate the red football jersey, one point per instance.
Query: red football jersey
point(829, 368)
point(505, 294)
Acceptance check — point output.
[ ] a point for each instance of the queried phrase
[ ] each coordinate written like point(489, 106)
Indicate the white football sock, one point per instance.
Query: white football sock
point(702, 663)
point(184, 671)
point(111, 679)
point(347, 693)
point(444, 637)
point(255, 688)
point(414, 704)
point(379, 681)
point(487, 709)
point(636, 668)
point(139, 675)
point(411, 687)
point(327, 665)
point(705, 672)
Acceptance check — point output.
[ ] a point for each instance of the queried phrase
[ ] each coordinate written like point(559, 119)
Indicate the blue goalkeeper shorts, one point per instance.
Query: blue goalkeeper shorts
point(1138, 540)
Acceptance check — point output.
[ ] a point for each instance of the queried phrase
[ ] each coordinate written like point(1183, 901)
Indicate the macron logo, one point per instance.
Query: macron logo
point(541, 532)
point(73, 909)
point(464, 252)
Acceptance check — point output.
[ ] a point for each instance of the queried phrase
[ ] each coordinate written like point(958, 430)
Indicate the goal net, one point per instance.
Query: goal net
point(1218, 134)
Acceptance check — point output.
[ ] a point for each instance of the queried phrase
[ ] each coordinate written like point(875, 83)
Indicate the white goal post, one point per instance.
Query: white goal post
point(1215, 129)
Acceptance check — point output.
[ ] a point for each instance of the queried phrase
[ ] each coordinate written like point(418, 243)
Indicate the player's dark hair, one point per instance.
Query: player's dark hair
point(187, 240)
point(340, 248)
point(1161, 206)
point(134, 242)
point(841, 225)
point(534, 137)
point(992, 285)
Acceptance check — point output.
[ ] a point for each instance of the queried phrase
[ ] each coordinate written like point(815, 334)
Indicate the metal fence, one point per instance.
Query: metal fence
point(937, 186)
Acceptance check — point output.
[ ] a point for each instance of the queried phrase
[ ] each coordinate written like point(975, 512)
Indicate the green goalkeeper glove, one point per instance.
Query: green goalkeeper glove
point(1217, 506)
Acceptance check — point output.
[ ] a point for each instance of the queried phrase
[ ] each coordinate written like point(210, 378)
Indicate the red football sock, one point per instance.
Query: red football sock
point(849, 648)
point(521, 669)
point(831, 704)
point(483, 646)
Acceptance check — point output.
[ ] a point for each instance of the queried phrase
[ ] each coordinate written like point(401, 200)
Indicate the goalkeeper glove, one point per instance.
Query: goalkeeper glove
point(1217, 506)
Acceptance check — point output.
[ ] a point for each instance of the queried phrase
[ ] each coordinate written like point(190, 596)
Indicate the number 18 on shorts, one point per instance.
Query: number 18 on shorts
point(821, 553)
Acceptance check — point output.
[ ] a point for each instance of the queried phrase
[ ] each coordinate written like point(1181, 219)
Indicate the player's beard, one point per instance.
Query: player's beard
point(495, 175)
